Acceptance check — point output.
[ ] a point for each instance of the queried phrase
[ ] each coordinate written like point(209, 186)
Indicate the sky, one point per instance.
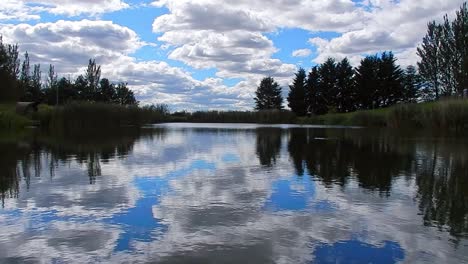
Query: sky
point(212, 54)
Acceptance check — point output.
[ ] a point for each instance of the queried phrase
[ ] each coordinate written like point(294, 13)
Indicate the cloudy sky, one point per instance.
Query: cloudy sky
point(211, 54)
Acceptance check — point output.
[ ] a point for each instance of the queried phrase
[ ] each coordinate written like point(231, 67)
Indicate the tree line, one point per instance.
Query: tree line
point(22, 81)
point(378, 81)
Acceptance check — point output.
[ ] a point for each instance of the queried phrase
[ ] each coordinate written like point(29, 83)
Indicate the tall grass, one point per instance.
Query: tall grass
point(263, 117)
point(449, 114)
point(89, 116)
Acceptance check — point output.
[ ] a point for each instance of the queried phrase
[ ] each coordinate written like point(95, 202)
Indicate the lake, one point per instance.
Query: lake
point(234, 193)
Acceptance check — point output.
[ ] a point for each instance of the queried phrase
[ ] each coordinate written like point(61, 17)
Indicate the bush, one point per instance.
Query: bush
point(9, 120)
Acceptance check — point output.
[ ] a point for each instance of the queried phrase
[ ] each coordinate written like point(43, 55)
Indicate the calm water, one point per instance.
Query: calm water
point(234, 194)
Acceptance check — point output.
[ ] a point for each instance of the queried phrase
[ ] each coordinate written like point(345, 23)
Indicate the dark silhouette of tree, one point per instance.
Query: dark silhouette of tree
point(366, 81)
point(92, 77)
point(268, 145)
point(124, 96)
point(106, 91)
point(296, 148)
point(390, 77)
point(444, 55)
point(36, 84)
point(459, 48)
point(50, 88)
point(345, 99)
point(315, 101)
point(328, 84)
point(9, 67)
point(429, 52)
point(412, 85)
point(379, 82)
point(268, 95)
point(25, 79)
point(81, 85)
point(297, 94)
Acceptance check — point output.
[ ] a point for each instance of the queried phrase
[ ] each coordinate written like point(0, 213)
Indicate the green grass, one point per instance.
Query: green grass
point(10, 121)
point(449, 114)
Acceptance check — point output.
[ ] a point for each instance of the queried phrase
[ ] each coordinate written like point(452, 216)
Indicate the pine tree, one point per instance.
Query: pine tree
point(366, 81)
point(314, 98)
point(412, 85)
point(345, 87)
point(328, 83)
point(268, 95)
point(297, 94)
point(390, 77)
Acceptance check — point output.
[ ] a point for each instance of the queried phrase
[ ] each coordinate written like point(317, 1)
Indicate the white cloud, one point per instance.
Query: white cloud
point(73, 7)
point(31, 9)
point(396, 26)
point(229, 37)
point(12, 9)
point(302, 53)
point(69, 44)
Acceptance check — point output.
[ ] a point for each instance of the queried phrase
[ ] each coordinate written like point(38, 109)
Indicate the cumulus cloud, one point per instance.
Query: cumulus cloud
point(302, 53)
point(231, 38)
point(31, 9)
point(69, 44)
point(13, 9)
point(397, 26)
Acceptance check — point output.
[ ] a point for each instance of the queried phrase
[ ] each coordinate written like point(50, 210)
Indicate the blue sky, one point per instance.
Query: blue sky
point(210, 54)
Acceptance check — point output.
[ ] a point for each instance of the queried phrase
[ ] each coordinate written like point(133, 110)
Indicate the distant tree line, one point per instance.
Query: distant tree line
point(378, 82)
point(20, 81)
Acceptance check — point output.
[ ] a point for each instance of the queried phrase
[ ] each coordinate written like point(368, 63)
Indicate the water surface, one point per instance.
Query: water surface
point(206, 193)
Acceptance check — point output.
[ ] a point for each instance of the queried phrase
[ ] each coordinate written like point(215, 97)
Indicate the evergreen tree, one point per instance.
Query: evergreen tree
point(412, 85)
point(379, 82)
point(268, 95)
point(366, 81)
point(345, 87)
point(390, 77)
point(297, 94)
point(314, 98)
point(328, 83)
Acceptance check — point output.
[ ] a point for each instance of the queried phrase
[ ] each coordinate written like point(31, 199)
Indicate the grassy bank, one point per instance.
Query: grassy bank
point(262, 117)
point(90, 116)
point(11, 121)
point(451, 114)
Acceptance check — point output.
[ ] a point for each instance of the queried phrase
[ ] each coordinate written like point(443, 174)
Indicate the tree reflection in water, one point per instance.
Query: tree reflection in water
point(439, 167)
point(20, 158)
